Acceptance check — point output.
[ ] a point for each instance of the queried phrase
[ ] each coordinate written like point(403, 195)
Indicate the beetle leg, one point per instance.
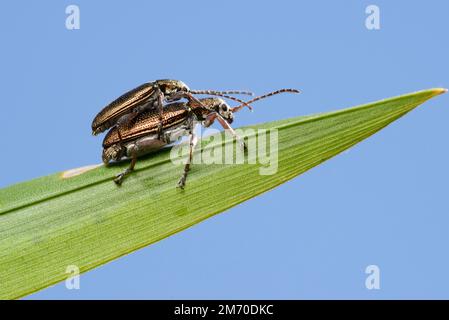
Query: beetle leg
point(193, 142)
point(125, 120)
point(155, 102)
point(211, 117)
point(160, 101)
point(186, 95)
point(119, 134)
point(120, 139)
point(191, 98)
point(119, 178)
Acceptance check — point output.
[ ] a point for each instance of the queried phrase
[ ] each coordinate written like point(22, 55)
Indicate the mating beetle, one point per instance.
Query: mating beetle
point(141, 136)
point(149, 96)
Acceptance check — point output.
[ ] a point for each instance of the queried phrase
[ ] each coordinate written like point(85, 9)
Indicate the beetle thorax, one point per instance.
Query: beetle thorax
point(172, 86)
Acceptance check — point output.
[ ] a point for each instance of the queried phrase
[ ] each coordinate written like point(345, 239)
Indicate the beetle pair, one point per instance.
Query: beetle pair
point(149, 96)
point(141, 123)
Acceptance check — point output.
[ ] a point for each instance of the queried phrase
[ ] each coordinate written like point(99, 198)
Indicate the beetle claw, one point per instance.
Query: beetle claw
point(181, 183)
point(119, 179)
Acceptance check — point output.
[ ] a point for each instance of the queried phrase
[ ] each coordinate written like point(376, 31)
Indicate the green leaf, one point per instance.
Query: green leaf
point(49, 223)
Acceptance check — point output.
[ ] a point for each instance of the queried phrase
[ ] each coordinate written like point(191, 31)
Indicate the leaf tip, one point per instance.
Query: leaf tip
point(438, 91)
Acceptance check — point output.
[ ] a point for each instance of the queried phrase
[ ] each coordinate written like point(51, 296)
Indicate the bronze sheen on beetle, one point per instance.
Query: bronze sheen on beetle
point(149, 96)
point(149, 130)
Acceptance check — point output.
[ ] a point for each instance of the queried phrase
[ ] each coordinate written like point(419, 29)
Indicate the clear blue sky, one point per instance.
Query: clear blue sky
point(383, 202)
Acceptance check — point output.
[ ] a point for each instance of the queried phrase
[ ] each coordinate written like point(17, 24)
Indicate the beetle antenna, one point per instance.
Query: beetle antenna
point(214, 92)
point(235, 109)
point(243, 103)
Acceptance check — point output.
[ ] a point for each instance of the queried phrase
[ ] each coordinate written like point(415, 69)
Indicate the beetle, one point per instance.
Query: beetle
point(140, 136)
point(149, 96)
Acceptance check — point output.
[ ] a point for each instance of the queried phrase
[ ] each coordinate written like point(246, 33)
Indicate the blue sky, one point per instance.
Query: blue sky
point(384, 202)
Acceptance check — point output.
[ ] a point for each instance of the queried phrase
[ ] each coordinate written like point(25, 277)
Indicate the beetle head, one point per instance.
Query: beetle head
point(225, 111)
point(220, 106)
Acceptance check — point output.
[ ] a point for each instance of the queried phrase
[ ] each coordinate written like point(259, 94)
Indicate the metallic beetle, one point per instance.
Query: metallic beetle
point(141, 136)
point(149, 96)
